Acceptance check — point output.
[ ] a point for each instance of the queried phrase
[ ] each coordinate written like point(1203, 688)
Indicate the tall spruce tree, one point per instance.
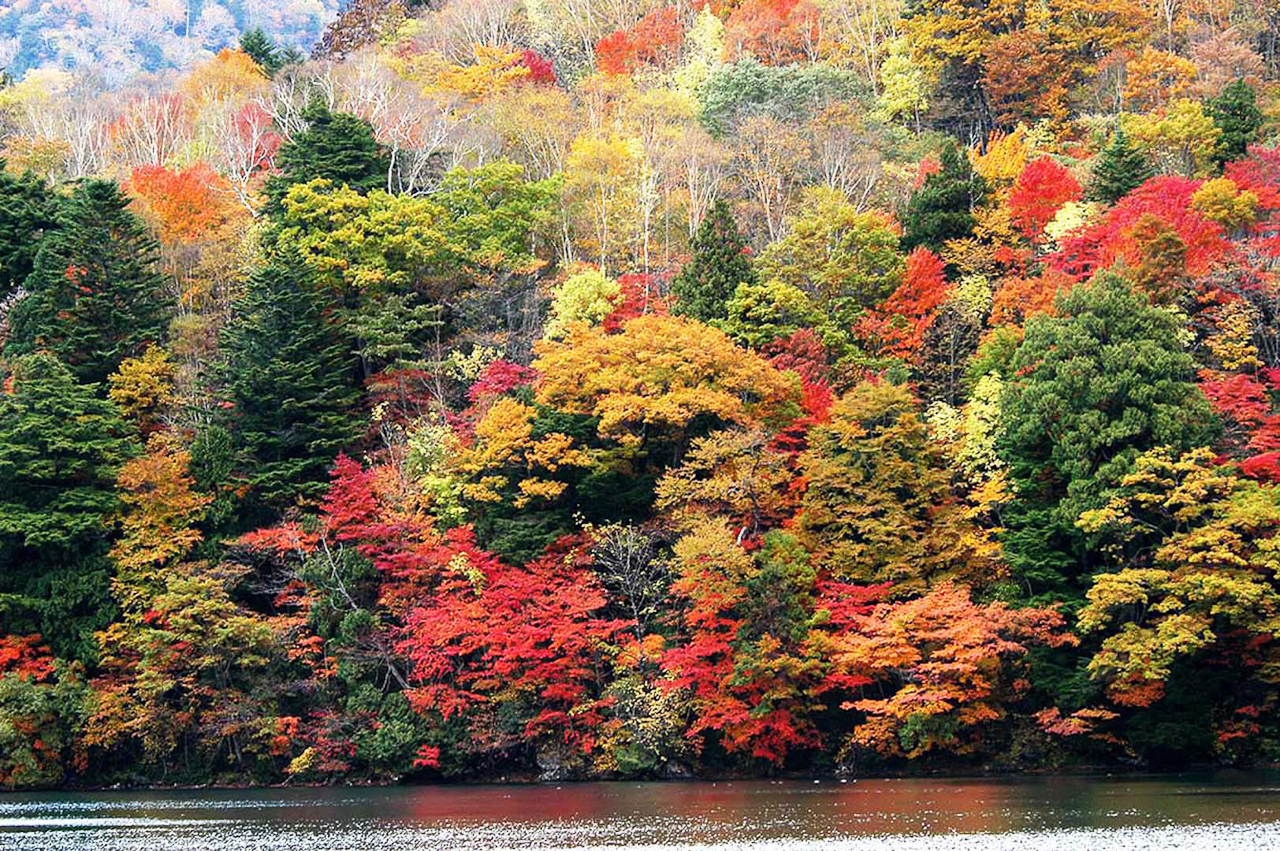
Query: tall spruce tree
point(288, 376)
point(1121, 168)
point(335, 146)
point(95, 295)
point(943, 207)
point(1236, 113)
point(28, 211)
point(61, 447)
point(719, 264)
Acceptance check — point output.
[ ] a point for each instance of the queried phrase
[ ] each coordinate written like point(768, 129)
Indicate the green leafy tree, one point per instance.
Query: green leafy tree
point(288, 377)
point(719, 264)
point(844, 259)
point(27, 212)
point(61, 447)
point(943, 207)
point(1090, 390)
point(1121, 167)
point(95, 295)
point(1236, 113)
point(335, 146)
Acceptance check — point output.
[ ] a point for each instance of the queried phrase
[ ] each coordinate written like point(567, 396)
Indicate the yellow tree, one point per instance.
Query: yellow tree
point(603, 172)
point(661, 374)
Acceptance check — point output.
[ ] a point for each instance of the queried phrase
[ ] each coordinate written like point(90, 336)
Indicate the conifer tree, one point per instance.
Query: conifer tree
point(27, 213)
point(719, 264)
point(288, 377)
point(1236, 113)
point(61, 447)
point(942, 209)
point(335, 146)
point(260, 47)
point(95, 295)
point(1121, 168)
point(1092, 388)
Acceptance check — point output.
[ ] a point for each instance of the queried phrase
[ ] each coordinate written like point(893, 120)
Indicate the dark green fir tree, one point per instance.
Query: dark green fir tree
point(943, 207)
point(289, 380)
point(1236, 113)
point(335, 146)
point(28, 212)
point(719, 264)
point(95, 295)
point(61, 446)
point(1121, 168)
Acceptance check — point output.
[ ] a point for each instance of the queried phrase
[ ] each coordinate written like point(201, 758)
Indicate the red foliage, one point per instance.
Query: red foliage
point(1239, 398)
point(26, 656)
point(500, 377)
point(730, 691)
point(540, 68)
point(654, 40)
point(405, 395)
point(1037, 195)
point(802, 353)
point(1264, 467)
point(492, 632)
point(637, 296)
point(1167, 198)
point(898, 326)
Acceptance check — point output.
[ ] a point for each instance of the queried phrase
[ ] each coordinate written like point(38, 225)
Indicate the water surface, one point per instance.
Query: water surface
point(1237, 811)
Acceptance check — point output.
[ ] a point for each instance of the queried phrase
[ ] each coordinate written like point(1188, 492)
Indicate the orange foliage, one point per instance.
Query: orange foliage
point(654, 40)
point(774, 31)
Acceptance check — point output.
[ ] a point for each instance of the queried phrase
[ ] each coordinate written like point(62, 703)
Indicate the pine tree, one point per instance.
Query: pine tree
point(288, 377)
point(1236, 113)
point(335, 146)
point(27, 212)
point(719, 264)
point(95, 295)
point(943, 207)
point(1121, 168)
point(61, 447)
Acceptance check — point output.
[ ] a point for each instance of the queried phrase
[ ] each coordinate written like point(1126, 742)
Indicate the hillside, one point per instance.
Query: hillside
point(606, 388)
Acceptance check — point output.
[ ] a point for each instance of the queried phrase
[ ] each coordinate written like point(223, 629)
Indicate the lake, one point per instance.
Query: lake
point(1237, 811)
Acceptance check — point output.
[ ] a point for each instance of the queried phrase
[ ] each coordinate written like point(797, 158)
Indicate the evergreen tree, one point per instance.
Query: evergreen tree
point(943, 207)
point(1121, 168)
point(1236, 113)
point(1091, 389)
point(95, 295)
point(719, 264)
point(60, 450)
point(335, 146)
point(27, 212)
point(260, 47)
point(288, 375)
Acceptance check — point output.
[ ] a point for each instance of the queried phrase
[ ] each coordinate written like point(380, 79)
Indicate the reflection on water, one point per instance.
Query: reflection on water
point(1229, 811)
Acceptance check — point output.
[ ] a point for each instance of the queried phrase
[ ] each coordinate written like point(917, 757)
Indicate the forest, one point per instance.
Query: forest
point(515, 389)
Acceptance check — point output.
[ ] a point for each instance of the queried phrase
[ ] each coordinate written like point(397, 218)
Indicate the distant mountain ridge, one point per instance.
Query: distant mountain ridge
point(118, 39)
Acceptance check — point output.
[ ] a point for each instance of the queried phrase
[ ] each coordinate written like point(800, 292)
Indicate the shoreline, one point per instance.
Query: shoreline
point(1083, 772)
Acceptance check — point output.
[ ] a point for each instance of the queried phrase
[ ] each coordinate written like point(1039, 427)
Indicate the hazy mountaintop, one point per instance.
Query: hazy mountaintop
point(121, 38)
